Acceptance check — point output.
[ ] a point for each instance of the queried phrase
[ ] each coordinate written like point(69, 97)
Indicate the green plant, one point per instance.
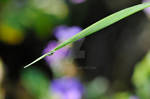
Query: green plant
point(105, 22)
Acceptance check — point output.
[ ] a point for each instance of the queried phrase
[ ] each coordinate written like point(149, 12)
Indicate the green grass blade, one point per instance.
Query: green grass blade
point(103, 23)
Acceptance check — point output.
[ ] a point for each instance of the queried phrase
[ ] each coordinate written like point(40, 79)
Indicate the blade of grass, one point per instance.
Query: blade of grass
point(103, 23)
point(47, 54)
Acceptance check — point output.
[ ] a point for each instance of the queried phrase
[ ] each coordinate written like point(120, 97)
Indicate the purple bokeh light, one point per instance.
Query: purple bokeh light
point(146, 10)
point(77, 1)
point(63, 32)
point(67, 88)
point(58, 56)
point(133, 97)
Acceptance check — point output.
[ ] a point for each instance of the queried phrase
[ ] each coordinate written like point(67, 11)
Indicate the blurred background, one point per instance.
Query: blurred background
point(111, 64)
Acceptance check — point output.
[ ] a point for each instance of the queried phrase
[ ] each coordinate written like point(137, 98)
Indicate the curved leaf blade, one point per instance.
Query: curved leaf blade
point(99, 25)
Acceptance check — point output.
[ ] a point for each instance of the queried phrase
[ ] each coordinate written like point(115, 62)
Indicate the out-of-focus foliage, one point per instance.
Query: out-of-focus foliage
point(36, 83)
point(40, 15)
point(141, 78)
point(56, 8)
point(1, 71)
point(10, 35)
point(122, 95)
point(2, 91)
point(97, 88)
